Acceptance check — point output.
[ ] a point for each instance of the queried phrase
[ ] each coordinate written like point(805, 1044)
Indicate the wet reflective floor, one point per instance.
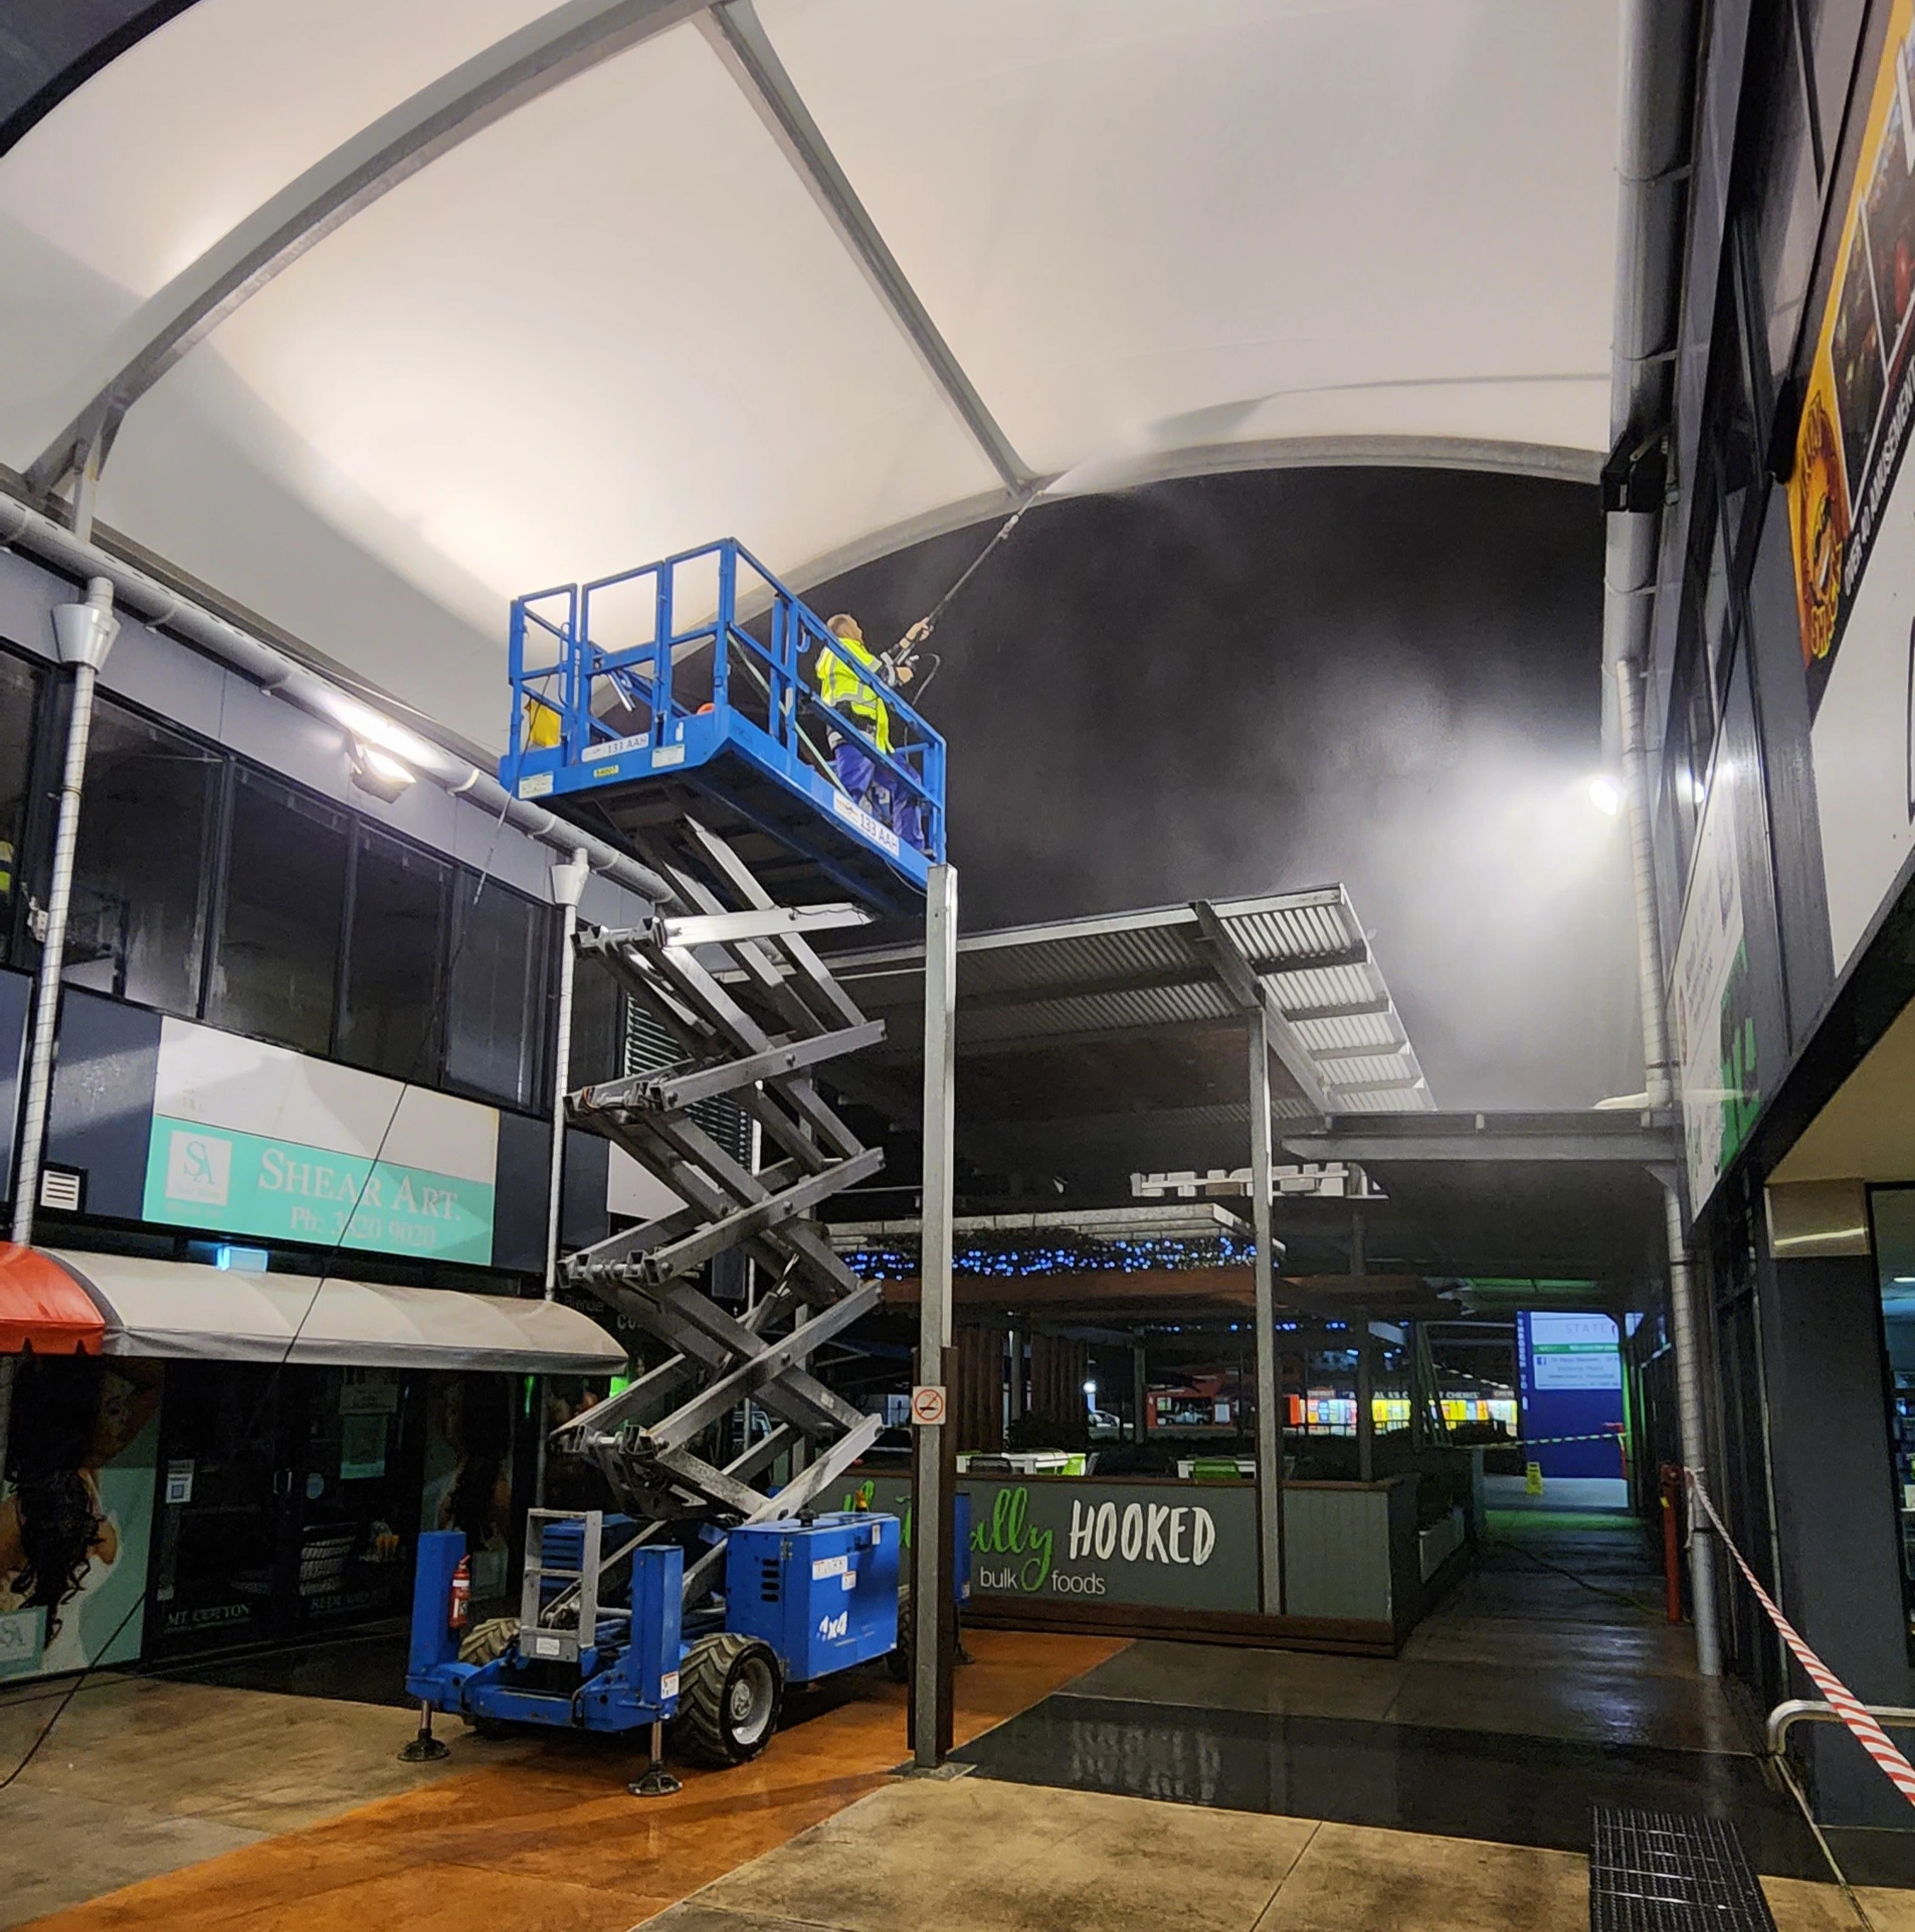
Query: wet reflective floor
point(1549, 1680)
point(1453, 1784)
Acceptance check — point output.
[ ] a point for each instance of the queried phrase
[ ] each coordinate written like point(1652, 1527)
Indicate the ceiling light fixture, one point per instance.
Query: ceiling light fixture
point(1605, 794)
point(379, 772)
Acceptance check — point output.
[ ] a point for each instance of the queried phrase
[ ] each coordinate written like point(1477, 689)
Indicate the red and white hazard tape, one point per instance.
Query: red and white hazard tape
point(1841, 1700)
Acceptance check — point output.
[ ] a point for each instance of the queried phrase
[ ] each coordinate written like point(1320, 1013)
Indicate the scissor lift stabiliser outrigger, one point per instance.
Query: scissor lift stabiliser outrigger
point(707, 1592)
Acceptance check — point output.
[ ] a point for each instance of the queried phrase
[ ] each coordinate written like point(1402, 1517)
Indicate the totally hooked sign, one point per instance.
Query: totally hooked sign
point(1153, 1544)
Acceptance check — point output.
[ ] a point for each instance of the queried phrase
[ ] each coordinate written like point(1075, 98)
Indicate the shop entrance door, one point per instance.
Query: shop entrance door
point(288, 1501)
point(221, 1546)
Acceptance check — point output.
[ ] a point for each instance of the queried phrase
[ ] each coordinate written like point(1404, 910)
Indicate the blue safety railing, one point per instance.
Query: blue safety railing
point(594, 704)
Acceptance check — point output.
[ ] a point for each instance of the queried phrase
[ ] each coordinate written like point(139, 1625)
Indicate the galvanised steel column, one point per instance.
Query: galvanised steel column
point(1365, 1417)
point(930, 1558)
point(84, 633)
point(1659, 1084)
point(568, 884)
point(1270, 1381)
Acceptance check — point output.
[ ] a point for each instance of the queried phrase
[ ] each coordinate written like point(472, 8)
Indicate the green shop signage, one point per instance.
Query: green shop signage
point(203, 1176)
point(1153, 1544)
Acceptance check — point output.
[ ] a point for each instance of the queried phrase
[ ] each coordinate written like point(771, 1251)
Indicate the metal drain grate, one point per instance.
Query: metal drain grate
point(1666, 1871)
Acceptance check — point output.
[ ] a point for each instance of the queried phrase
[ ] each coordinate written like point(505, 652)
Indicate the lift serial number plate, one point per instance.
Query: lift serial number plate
point(927, 1405)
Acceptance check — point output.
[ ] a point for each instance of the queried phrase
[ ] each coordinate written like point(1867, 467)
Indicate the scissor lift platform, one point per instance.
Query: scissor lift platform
point(627, 716)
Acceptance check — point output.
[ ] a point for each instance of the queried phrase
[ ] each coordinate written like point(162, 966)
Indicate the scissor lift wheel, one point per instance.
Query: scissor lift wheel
point(730, 1690)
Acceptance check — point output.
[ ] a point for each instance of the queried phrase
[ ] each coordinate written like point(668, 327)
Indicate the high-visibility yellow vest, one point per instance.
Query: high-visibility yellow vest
point(840, 687)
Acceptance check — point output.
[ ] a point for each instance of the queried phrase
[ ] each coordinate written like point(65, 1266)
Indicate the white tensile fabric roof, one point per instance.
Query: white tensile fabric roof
point(611, 314)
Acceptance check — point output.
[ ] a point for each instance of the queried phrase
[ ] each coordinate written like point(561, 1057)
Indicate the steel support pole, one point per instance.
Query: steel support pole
point(1270, 1381)
point(1695, 1440)
point(1366, 1361)
point(1659, 1079)
point(930, 1509)
point(568, 883)
point(84, 633)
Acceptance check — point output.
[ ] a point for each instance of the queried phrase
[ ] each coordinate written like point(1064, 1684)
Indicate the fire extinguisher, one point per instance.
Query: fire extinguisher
point(460, 1603)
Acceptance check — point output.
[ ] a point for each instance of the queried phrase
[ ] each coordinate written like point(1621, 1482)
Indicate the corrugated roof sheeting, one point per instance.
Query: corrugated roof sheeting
point(1153, 971)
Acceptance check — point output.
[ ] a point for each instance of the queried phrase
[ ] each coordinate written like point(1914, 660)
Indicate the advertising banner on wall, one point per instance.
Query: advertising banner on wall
point(1712, 1013)
point(1569, 1376)
point(76, 1512)
point(1852, 532)
point(1154, 1545)
point(249, 1139)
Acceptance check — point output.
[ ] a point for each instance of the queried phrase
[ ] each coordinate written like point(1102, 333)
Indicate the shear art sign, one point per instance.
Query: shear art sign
point(249, 1139)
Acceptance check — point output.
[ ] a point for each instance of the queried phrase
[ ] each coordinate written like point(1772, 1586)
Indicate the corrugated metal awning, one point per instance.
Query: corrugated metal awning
point(176, 1309)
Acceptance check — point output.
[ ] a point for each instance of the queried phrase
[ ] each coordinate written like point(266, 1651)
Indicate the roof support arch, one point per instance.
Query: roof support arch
point(541, 56)
point(738, 37)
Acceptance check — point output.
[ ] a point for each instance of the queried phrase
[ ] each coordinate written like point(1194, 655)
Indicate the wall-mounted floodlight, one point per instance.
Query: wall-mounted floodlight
point(379, 772)
point(1605, 794)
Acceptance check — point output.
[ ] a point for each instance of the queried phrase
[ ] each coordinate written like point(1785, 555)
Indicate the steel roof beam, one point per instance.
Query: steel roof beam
point(739, 39)
point(524, 65)
point(1251, 995)
point(1347, 1009)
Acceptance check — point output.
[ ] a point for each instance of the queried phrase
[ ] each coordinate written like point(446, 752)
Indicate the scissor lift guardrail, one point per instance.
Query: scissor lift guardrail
point(755, 1012)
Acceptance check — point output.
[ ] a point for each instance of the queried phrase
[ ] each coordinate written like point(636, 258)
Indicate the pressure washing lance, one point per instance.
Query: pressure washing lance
point(898, 663)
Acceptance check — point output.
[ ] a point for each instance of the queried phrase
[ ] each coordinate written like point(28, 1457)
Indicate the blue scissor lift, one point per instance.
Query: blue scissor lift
point(700, 742)
point(691, 685)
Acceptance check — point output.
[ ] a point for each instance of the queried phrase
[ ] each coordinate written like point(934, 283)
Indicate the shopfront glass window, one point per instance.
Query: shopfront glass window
point(496, 1016)
point(391, 1020)
point(1893, 1211)
point(276, 967)
point(137, 921)
point(598, 1026)
point(20, 685)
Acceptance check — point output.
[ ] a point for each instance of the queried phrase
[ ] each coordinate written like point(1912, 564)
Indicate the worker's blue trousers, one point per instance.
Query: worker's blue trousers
point(871, 784)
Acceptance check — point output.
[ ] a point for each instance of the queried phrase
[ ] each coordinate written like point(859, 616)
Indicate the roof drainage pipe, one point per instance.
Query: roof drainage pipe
point(84, 633)
point(1658, 73)
point(266, 665)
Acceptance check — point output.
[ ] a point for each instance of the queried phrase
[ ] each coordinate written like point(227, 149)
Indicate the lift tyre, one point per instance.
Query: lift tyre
point(898, 1663)
point(729, 1691)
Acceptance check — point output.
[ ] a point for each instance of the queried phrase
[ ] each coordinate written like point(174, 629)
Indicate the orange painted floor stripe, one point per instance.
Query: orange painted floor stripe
point(553, 1843)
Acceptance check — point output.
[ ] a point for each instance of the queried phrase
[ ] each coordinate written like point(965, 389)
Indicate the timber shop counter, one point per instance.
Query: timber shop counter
point(1142, 1556)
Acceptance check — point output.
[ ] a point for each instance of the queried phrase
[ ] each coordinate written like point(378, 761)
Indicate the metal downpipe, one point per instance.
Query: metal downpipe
point(1658, 1072)
point(84, 633)
point(568, 882)
point(1689, 1408)
point(1658, 1069)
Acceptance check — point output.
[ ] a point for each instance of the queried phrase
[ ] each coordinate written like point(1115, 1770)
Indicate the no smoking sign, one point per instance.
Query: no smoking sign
point(927, 1405)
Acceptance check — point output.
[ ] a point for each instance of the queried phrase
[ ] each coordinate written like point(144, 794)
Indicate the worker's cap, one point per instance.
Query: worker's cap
point(845, 625)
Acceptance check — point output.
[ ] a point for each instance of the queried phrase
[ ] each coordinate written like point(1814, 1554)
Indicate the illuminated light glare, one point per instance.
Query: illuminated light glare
point(1905, 1281)
point(386, 766)
point(1605, 794)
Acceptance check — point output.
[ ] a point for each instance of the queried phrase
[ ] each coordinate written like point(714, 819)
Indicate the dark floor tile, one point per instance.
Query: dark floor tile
point(363, 1667)
point(1454, 1783)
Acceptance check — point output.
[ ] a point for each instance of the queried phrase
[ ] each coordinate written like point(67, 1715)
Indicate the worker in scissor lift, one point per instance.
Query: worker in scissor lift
point(843, 687)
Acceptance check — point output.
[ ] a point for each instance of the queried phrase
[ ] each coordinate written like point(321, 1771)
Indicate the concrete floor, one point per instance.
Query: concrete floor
point(219, 1807)
point(191, 1806)
point(975, 1855)
point(142, 1776)
point(1520, 1648)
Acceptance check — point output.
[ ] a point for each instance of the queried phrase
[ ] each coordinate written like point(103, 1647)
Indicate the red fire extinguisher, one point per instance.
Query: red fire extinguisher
point(460, 1603)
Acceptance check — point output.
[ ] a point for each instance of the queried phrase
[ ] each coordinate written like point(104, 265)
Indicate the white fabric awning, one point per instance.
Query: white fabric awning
point(174, 1308)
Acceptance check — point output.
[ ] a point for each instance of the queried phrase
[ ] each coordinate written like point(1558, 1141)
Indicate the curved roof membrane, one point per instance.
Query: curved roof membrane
point(391, 309)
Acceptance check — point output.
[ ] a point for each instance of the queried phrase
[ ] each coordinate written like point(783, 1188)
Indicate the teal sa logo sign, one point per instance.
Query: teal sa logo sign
point(200, 1177)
